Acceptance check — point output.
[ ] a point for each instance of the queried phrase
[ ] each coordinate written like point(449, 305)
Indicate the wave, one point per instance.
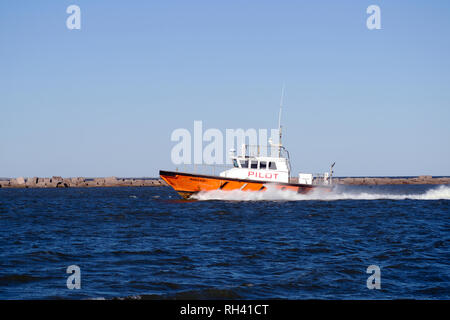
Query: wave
point(272, 194)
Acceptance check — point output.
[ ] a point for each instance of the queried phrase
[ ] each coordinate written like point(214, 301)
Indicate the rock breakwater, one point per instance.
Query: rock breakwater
point(79, 182)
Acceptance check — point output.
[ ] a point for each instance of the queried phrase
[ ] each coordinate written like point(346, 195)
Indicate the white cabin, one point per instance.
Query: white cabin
point(271, 169)
point(261, 168)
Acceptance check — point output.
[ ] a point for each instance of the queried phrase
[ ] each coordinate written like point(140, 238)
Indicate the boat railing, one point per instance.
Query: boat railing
point(205, 169)
point(317, 179)
point(322, 179)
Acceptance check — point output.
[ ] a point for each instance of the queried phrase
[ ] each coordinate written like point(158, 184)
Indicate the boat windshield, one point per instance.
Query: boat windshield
point(244, 163)
point(235, 163)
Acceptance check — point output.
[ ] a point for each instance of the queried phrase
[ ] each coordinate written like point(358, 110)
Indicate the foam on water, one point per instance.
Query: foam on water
point(272, 194)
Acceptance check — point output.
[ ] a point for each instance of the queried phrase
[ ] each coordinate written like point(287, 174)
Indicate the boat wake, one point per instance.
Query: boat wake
point(272, 194)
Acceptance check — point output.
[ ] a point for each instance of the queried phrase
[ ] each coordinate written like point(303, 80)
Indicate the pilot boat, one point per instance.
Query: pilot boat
point(251, 172)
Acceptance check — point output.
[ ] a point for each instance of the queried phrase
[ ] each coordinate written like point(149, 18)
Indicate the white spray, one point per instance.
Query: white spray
point(272, 194)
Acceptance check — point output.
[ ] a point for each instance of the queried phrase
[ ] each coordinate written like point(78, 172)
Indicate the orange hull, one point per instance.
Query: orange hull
point(187, 184)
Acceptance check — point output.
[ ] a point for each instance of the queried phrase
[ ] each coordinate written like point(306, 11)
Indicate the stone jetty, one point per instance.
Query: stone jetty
point(78, 182)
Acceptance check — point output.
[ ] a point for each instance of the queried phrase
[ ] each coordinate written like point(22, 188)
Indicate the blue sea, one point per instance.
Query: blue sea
point(145, 242)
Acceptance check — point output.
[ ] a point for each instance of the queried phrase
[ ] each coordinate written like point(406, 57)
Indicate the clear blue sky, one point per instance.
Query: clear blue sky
point(103, 100)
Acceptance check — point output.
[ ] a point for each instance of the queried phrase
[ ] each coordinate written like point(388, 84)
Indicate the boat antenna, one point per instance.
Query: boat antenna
point(279, 121)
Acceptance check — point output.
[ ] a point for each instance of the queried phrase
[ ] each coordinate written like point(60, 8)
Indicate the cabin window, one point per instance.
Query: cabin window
point(235, 163)
point(263, 165)
point(254, 164)
point(244, 163)
point(272, 165)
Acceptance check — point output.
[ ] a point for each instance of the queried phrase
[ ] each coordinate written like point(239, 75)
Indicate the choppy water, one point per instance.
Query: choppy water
point(144, 242)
